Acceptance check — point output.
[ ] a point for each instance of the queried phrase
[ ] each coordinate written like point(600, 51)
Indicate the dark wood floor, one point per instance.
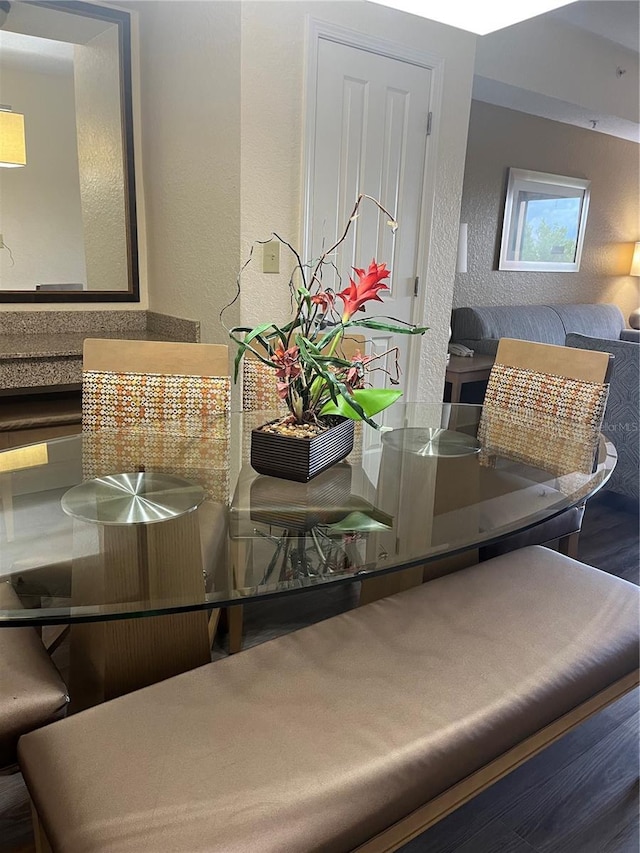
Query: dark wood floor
point(579, 796)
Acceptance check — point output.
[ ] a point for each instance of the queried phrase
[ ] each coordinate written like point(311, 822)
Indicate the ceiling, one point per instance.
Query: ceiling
point(617, 21)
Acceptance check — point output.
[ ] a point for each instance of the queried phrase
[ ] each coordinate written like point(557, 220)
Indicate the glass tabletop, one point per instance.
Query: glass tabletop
point(80, 541)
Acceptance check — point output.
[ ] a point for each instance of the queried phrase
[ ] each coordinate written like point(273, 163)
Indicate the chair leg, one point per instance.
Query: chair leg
point(231, 623)
point(234, 622)
point(214, 618)
point(55, 636)
point(568, 545)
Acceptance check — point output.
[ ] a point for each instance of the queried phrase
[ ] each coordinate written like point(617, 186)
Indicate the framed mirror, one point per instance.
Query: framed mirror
point(68, 214)
point(544, 222)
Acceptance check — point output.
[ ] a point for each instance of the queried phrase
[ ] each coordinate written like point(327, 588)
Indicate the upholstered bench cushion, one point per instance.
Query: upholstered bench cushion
point(318, 740)
point(31, 690)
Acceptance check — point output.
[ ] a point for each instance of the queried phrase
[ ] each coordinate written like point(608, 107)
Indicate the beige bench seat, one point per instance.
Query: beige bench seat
point(31, 690)
point(321, 739)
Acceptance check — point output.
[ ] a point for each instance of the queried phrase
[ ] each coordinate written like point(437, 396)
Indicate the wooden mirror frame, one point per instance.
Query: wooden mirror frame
point(132, 294)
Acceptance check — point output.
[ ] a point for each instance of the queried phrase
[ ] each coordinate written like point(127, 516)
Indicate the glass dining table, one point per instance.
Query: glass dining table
point(103, 529)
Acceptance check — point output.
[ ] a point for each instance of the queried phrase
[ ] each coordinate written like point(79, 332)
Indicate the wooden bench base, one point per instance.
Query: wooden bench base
point(431, 813)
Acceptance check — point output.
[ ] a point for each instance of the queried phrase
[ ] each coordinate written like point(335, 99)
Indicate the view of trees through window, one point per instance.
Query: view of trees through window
point(550, 230)
point(544, 221)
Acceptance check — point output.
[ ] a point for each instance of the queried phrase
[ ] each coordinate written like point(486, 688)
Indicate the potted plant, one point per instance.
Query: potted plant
point(324, 390)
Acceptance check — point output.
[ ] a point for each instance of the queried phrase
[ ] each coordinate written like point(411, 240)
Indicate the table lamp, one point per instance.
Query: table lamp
point(13, 152)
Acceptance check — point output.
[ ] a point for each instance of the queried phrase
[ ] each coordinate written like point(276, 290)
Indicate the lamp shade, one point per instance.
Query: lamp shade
point(635, 261)
point(12, 146)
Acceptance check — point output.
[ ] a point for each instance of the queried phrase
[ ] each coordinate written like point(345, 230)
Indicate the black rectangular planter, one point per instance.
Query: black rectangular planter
point(301, 459)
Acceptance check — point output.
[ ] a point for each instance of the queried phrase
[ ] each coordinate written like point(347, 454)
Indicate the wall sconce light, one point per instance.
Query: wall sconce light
point(12, 145)
point(461, 260)
point(634, 317)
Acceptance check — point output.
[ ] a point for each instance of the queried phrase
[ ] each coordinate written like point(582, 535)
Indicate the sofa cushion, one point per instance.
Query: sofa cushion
point(481, 328)
point(601, 321)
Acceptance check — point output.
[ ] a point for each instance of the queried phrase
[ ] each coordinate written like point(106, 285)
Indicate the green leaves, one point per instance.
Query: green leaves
point(370, 401)
point(398, 328)
point(255, 334)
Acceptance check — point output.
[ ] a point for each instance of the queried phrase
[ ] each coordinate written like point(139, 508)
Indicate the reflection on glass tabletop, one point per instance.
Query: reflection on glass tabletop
point(132, 498)
point(431, 441)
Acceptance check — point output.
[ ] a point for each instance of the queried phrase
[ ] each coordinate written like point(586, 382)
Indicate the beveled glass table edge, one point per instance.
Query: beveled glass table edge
point(211, 601)
point(98, 613)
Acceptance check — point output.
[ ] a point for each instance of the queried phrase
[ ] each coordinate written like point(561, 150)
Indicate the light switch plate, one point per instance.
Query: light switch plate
point(271, 256)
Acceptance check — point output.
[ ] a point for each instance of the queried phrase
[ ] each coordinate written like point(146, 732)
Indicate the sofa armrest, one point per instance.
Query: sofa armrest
point(622, 414)
point(630, 335)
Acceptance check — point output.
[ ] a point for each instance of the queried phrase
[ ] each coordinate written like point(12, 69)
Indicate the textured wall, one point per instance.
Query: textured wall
point(222, 104)
point(100, 158)
point(40, 217)
point(499, 138)
point(222, 114)
point(190, 97)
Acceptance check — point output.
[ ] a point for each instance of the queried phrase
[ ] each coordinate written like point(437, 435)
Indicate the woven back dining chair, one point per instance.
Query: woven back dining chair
point(162, 405)
point(544, 407)
point(162, 386)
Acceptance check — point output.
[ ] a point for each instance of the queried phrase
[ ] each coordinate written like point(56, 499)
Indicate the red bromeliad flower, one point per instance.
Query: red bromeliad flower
point(354, 376)
point(369, 283)
point(325, 299)
point(287, 368)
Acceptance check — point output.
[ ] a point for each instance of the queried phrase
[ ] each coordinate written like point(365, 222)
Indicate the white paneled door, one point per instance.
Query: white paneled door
point(369, 135)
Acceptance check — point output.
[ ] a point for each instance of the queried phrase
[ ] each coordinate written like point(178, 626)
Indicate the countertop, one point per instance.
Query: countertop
point(41, 349)
point(63, 344)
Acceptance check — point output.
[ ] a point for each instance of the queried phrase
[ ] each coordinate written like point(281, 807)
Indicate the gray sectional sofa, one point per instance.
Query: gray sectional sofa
point(480, 328)
point(599, 327)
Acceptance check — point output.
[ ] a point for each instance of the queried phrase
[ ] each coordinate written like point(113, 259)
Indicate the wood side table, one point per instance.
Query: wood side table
point(461, 370)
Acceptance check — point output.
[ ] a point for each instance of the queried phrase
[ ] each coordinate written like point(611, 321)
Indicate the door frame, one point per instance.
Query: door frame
point(317, 29)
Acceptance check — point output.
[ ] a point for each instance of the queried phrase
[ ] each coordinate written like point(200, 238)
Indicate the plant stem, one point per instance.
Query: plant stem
point(322, 384)
point(359, 200)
